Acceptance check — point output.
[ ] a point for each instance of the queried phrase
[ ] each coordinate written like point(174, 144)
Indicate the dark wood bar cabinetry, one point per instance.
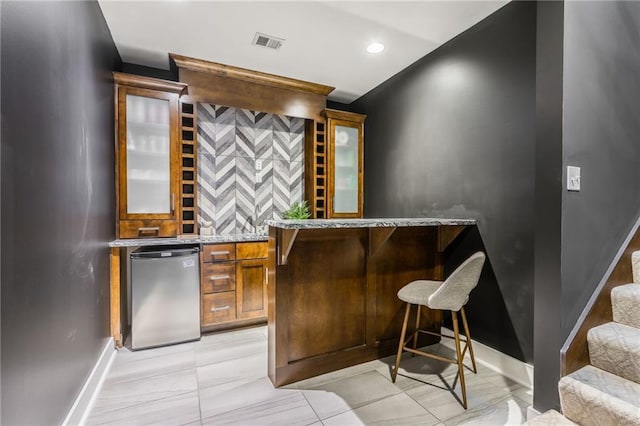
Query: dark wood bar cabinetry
point(333, 289)
point(334, 161)
point(233, 285)
point(147, 156)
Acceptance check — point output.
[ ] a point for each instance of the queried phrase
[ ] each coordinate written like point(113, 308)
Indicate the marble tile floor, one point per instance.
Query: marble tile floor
point(222, 380)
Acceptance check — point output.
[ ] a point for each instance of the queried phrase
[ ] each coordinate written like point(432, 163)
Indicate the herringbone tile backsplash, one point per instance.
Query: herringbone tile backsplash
point(250, 167)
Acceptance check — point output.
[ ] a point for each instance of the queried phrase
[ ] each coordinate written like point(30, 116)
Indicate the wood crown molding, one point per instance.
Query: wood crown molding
point(343, 115)
point(149, 83)
point(249, 75)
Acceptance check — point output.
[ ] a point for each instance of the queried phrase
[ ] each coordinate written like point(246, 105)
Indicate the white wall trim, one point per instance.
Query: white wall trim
point(532, 413)
point(514, 369)
point(84, 402)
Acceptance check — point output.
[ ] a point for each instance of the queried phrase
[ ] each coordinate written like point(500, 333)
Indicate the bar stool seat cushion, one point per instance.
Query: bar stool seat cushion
point(420, 291)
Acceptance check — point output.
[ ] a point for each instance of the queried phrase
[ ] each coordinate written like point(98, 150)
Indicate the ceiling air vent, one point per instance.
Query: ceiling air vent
point(265, 40)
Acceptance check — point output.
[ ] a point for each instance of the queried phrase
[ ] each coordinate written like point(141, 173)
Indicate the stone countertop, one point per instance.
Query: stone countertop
point(188, 239)
point(366, 223)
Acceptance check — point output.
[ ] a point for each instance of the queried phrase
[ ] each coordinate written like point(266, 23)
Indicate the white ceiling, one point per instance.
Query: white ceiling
point(325, 41)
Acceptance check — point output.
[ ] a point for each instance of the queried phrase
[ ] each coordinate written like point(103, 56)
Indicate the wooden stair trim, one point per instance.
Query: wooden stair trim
point(575, 352)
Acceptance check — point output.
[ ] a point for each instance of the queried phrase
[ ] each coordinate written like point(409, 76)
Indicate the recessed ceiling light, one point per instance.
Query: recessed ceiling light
point(375, 47)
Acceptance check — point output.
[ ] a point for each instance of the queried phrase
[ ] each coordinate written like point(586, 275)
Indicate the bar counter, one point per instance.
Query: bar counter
point(332, 289)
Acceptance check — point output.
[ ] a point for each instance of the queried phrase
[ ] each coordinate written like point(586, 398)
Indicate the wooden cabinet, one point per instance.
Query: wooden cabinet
point(147, 156)
point(334, 160)
point(219, 276)
point(233, 284)
point(251, 293)
point(218, 308)
point(218, 252)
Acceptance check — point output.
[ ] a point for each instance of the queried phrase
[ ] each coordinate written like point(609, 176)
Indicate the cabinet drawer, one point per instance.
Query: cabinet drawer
point(218, 252)
point(218, 307)
point(219, 276)
point(252, 250)
point(150, 228)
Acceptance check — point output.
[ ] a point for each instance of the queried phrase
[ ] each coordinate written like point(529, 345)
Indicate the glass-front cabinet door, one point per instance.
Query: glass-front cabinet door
point(345, 165)
point(147, 157)
point(148, 152)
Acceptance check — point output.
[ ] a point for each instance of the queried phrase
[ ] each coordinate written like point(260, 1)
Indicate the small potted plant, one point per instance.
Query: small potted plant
point(297, 211)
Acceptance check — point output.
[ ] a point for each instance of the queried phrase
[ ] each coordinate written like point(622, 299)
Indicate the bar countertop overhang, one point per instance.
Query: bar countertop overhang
point(366, 223)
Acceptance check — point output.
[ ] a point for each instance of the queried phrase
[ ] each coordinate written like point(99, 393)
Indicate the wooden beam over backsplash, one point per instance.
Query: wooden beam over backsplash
point(220, 84)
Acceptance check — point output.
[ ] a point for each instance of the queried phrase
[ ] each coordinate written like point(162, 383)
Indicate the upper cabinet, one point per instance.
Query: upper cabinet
point(334, 185)
point(147, 156)
point(345, 133)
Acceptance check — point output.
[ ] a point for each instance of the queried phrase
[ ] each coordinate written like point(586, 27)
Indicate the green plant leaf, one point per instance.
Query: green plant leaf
point(297, 211)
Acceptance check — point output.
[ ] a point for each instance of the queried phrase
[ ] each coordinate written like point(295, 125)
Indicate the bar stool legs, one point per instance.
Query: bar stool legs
point(415, 333)
point(459, 355)
point(468, 336)
point(402, 346)
point(394, 373)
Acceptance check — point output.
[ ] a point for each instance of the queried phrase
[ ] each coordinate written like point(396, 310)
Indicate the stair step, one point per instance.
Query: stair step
point(625, 301)
point(614, 348)
point(594, 397)
point(550, 418)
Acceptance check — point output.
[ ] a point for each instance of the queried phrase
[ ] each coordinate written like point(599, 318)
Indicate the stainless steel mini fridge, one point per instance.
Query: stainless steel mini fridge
point(165, 296)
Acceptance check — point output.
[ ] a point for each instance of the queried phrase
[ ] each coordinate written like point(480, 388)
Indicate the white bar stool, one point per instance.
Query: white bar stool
point(451, 295)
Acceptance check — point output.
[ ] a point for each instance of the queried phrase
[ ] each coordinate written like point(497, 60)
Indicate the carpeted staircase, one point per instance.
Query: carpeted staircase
point(607, 392)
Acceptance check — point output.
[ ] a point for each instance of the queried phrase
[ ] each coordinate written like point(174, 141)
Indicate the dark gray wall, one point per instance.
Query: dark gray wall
point(57, 201)
point(548, 208)
point(453, 135)
point(588, 109)
point(171, 74)
point(601, 135)
point(339, 106)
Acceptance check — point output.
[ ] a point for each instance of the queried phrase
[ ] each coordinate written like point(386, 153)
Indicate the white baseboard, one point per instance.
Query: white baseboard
point(531, 412)
point(516, 370)
point(80, 409)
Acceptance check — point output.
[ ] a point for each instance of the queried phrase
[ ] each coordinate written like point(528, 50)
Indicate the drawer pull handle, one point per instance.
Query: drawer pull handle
point(146, 230)
point(219, 277)
point(220, 253)
point(221, 308)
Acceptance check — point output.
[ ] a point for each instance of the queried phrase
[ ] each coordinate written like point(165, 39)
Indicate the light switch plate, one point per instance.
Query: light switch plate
point(573, 178)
